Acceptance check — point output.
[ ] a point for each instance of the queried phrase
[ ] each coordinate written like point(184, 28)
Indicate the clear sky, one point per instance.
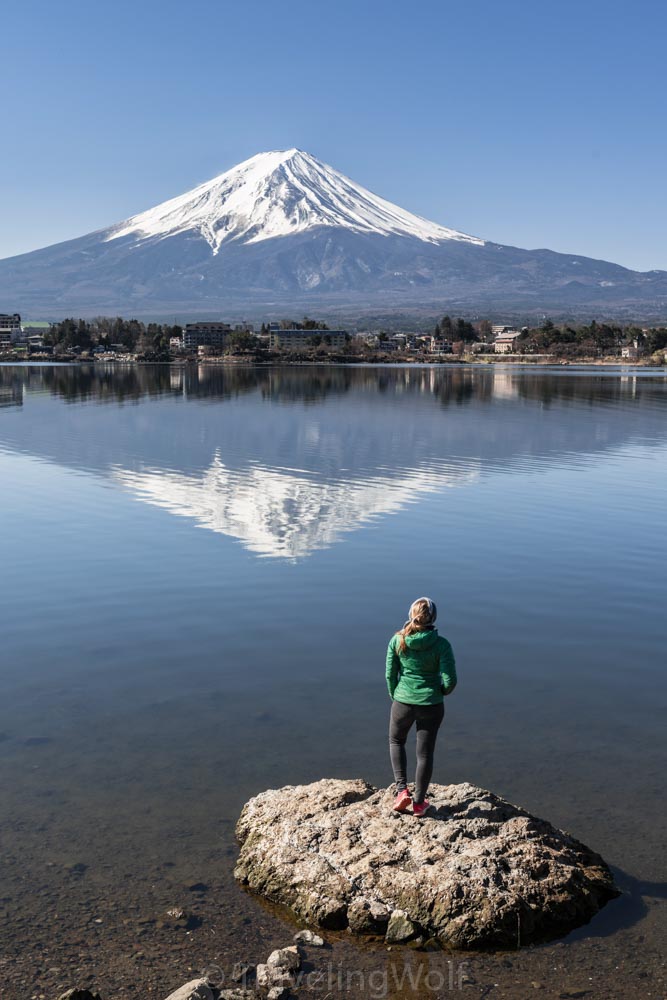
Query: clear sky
point(533, 123)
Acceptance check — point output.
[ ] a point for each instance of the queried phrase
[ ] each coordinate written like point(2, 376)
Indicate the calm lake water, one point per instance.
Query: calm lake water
point(201, 571)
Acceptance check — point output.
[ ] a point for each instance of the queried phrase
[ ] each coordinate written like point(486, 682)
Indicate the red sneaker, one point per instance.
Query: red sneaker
point(402, 801)
point(421, 808)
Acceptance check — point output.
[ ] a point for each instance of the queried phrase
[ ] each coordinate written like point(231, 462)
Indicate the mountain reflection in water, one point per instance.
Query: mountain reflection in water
point(280, 512)
point(287, 460)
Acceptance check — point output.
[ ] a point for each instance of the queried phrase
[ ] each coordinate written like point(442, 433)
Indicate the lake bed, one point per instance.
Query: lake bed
point(202, 569)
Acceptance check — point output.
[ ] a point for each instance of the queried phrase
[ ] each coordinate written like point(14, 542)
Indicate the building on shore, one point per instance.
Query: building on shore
point(404, 341)
point(297, 340)
point(33, 336)
point(10, 329)
point(635, 349)
point(205, 334)
point(504, 342)
point(438, 345)
point(29, 338)
point(208, 334)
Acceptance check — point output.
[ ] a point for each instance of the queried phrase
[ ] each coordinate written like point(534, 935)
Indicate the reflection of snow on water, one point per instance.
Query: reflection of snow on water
point(286, 513)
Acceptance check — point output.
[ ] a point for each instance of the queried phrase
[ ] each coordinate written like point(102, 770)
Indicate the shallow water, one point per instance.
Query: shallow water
point(202, 568)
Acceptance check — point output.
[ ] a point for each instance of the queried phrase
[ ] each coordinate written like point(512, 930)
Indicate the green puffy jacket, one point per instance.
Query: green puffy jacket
point(424, 673)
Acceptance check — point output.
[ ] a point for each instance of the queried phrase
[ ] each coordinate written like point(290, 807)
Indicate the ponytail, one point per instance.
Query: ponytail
point(422, 615)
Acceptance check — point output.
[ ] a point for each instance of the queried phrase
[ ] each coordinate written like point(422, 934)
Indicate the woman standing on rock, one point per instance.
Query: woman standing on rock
point(420, 672)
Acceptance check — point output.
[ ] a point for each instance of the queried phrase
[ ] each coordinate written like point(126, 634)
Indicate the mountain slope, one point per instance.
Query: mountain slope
point(283, 230)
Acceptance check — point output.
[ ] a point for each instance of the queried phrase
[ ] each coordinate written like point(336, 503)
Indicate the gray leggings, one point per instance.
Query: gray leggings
point(428, 719)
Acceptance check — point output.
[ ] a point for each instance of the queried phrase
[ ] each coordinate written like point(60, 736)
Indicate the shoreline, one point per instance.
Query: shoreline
point(240, 361)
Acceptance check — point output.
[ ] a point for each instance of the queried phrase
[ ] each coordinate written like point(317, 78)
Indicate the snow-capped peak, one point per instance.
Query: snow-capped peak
point(278, 194)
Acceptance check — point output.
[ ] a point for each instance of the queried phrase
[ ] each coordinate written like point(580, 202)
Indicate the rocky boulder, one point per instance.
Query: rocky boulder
point(476, 872)
point(280, 968)
point(196, 989)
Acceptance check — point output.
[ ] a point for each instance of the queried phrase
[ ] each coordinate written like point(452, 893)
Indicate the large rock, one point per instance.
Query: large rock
point(477, 871)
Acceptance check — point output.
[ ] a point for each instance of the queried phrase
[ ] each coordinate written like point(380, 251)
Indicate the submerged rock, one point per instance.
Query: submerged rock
point(477, 871)
point(240, 971)
point(308, 937)
point(269, 976)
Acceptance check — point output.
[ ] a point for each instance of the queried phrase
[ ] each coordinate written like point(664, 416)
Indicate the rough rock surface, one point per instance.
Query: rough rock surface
point(196, 989)
point(476, 872)
point(285, 958)
point(307, 937)
point(279, 968)
point(400, 928)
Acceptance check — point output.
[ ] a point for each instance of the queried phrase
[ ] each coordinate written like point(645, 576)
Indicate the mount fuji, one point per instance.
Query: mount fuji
point(283, 231)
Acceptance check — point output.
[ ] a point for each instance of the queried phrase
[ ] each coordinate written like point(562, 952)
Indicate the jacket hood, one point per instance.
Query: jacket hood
point(422, 640)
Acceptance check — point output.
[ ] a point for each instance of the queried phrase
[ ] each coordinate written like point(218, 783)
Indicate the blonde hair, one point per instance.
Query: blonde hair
point(421, 616)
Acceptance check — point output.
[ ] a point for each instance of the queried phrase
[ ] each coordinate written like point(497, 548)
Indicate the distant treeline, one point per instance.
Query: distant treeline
point(103, 331)
point(461, 330)
point(145, 338)
point(292, 324)
point(589, 340)
point(563, 340)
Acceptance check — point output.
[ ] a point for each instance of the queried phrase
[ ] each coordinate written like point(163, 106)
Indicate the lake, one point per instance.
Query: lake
point(202, 567)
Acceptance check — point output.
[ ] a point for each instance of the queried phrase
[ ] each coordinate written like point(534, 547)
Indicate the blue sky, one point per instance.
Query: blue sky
point(529, 123)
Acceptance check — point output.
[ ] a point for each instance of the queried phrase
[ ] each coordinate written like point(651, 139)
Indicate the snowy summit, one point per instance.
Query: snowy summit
point(279, 194)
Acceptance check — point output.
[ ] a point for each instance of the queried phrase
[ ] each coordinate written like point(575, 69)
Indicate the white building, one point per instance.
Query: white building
point(634, 349)
point(504, 342)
